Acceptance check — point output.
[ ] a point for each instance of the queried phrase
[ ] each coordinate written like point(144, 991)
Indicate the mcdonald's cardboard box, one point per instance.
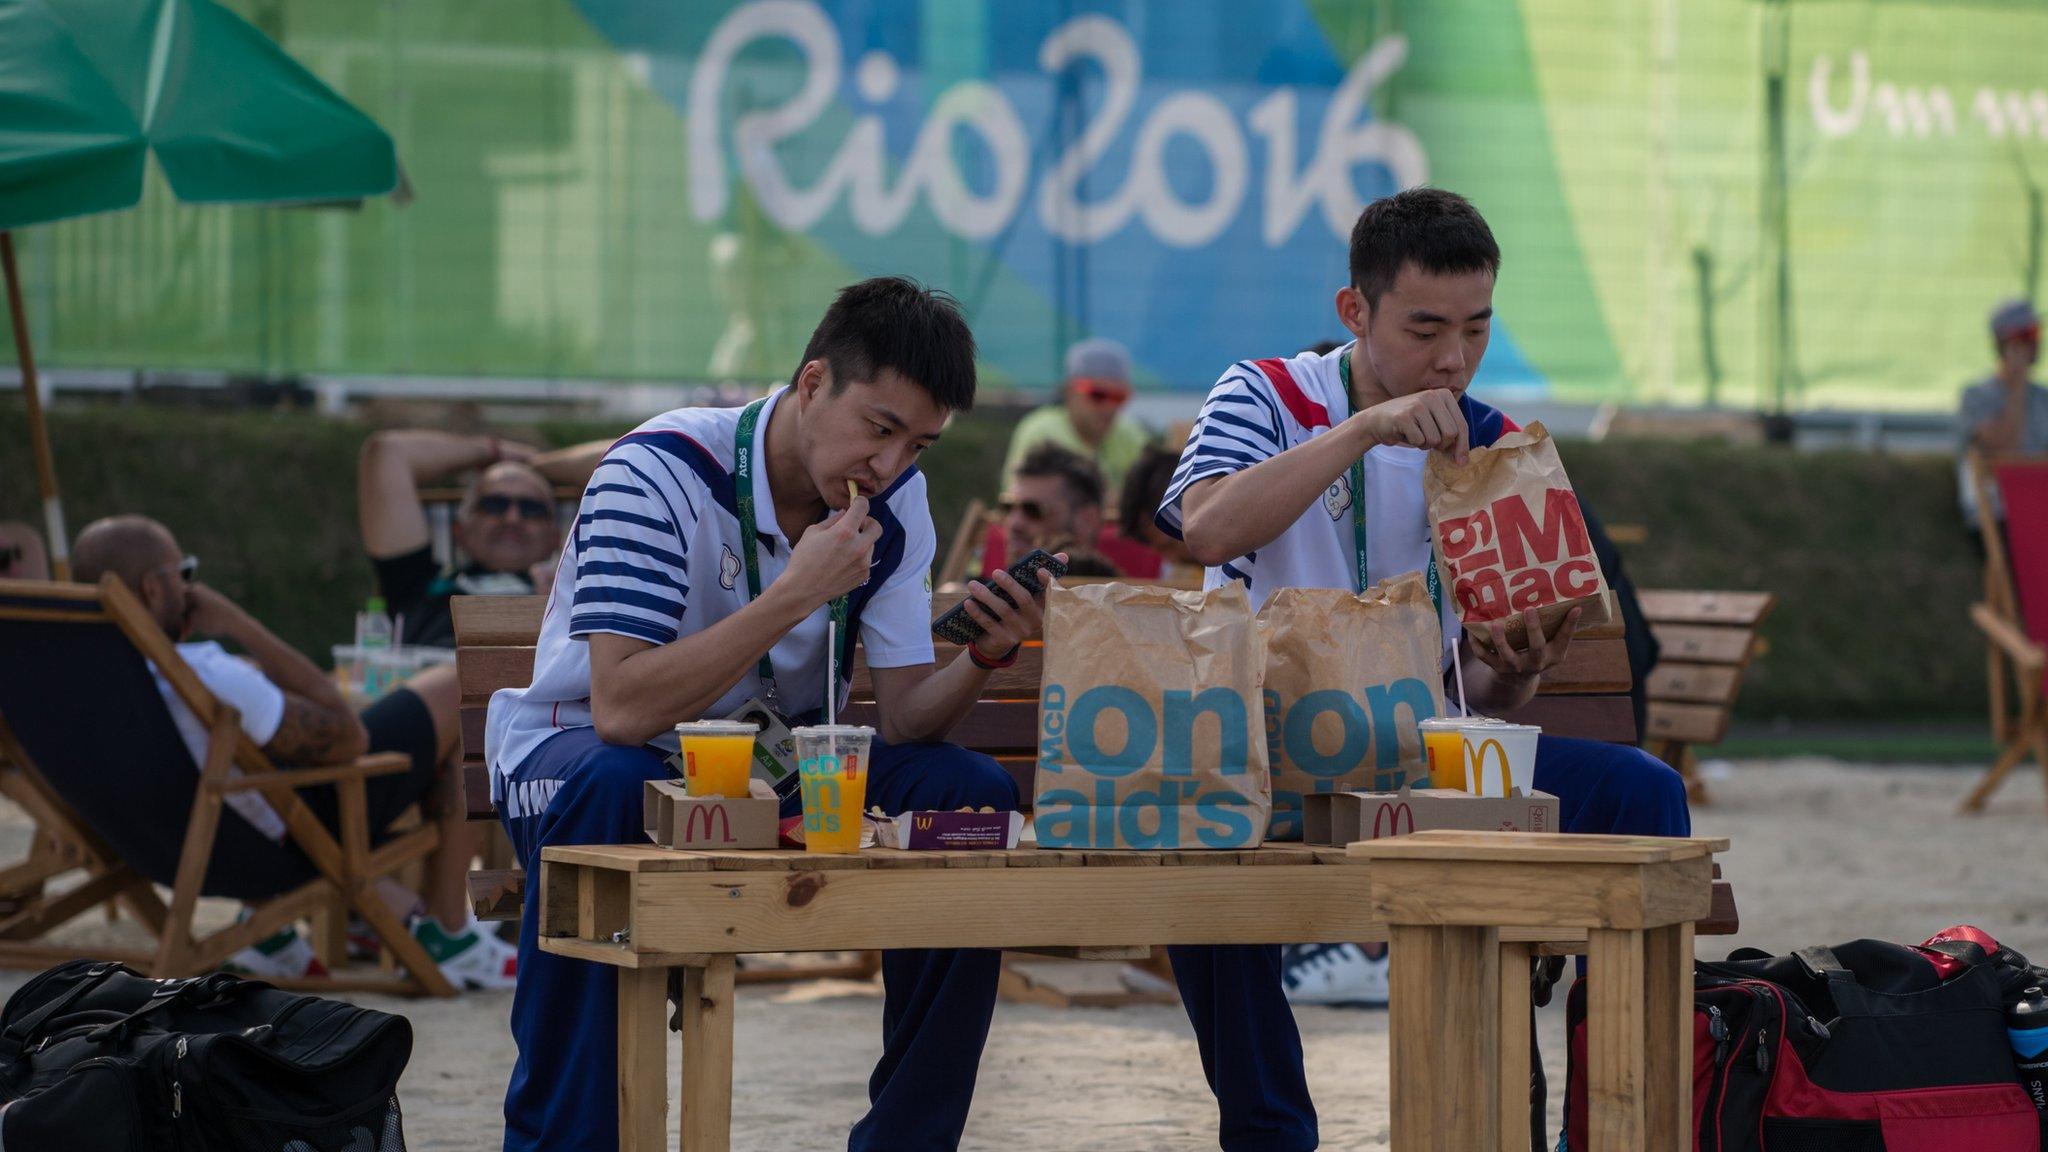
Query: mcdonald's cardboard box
point(676, 819)
point(1342, 818)
point(934, 831)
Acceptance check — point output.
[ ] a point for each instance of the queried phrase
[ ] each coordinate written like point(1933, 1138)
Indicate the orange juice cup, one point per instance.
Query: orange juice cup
point(832, 760)
point(1443, 743)
point(718, 757)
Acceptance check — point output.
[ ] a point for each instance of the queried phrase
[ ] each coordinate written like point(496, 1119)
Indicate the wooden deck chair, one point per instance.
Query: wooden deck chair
point(964, 553)
point(97, 751)
point(2014, 612)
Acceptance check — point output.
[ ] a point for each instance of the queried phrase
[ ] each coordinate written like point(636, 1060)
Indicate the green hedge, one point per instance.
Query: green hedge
point(1873, 573)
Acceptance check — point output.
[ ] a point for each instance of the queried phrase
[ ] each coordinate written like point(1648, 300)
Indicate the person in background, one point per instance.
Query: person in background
point(294, 712)
point(1054, 501)
point(504, 528)
point(22, 556)
point(1089, 419)
point(2006, 413)
point(1144, 487)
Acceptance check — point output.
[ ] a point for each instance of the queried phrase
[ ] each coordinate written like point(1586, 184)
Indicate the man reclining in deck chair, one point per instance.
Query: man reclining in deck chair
point(504, 528)
point(1265, 495)
point(297, 715)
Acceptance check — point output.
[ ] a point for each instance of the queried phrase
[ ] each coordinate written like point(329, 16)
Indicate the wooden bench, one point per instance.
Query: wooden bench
point(1467, 913)
point(1708, 640)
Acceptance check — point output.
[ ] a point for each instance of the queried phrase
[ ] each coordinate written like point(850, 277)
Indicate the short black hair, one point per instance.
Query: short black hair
point(1439, 232)
point(894, 323)
point(1144, 488)
point(1082, 478)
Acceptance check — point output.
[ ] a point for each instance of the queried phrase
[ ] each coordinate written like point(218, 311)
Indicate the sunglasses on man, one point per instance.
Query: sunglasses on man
point(526, 506)
point(1102, 392)
point(2031, 334)
point(187, 568)
point(1031, 509)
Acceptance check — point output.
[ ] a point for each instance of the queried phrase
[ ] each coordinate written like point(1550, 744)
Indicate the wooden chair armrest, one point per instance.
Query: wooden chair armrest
point(2002, 632)
point(375, 764)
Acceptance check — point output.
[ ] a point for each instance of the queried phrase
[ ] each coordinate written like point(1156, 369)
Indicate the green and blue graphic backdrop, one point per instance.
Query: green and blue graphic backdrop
point(1736, 201)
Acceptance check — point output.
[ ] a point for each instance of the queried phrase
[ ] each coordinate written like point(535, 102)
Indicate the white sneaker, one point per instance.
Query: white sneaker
point(1334, 974)
point(284, 955)
point(473, 958)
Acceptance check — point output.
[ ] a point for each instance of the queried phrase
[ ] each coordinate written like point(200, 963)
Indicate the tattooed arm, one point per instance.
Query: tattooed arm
point(311, 734)
point(317, 726)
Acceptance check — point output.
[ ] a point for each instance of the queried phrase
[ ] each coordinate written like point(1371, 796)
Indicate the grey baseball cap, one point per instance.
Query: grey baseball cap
point(2012, 318)
point(1099, 359)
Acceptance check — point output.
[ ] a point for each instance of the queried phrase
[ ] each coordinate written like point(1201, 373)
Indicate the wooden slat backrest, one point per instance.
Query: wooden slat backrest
point(494, 638)
point(1708, 639)
point(1728, 609)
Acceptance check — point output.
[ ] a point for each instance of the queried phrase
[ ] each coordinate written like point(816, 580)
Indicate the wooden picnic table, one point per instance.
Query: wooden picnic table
point(648, 910)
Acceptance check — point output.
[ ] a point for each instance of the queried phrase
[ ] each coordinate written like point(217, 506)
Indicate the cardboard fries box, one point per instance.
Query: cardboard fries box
point(935, 831)
point(1340, 818)
point(676, 819)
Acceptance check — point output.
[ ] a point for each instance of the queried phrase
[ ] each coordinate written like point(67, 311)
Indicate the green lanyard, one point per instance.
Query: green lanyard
point(750, 537)
point(1436, 588)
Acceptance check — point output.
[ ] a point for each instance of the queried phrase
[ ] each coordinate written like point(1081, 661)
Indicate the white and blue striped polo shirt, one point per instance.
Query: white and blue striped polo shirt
point(655, 554)
point(1261, 408)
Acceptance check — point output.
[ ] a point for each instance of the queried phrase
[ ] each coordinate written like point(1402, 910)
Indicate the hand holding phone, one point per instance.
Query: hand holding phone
point(958, 626)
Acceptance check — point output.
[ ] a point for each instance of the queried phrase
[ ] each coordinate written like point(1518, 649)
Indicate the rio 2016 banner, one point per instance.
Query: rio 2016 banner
point(1749, 203)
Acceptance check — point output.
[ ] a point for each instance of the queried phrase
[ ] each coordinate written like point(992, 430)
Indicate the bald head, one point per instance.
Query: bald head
point(127, 546)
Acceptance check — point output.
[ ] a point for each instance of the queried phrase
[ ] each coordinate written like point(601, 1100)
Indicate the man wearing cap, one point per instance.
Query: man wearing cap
point(1089, 419)
point(2006, 413)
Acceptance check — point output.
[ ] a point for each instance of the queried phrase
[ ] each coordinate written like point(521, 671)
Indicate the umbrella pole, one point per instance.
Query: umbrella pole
point(39, 435)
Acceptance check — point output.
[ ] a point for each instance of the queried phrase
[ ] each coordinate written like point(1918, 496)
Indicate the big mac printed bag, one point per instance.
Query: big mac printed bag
point(1509, 536)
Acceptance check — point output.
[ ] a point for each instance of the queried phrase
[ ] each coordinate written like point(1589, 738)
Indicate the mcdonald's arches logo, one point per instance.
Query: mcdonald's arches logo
point(924, 823)
point(1475, 767)
point(1392, 814)
point(716, 820)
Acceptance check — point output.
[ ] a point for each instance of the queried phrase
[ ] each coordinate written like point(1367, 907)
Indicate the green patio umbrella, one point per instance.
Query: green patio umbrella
point(90, 89)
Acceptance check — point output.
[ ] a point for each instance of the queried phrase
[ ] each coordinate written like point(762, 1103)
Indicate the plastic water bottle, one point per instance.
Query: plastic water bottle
point(2026, 1025)
point(373, 640)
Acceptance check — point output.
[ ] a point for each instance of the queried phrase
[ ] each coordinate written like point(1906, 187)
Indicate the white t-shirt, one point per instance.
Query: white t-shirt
point(240, 684)
point(655, 554)
point(1261, 408)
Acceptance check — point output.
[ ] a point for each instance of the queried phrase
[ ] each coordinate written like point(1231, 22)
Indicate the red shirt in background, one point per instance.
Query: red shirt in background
point(1132, 558)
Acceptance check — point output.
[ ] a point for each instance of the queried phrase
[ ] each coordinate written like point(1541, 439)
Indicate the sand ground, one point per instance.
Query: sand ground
point(1823, 852)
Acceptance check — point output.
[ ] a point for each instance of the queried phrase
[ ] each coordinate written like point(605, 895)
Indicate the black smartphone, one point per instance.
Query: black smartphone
point(957, 627)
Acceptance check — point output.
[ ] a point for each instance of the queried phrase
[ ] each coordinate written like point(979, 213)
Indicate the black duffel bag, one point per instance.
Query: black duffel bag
point(96, 1058)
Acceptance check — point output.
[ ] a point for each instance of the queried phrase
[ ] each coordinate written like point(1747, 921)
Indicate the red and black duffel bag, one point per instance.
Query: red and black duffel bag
point(1864, 1047)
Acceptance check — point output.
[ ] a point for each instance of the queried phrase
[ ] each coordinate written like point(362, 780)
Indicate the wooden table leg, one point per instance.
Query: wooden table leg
point(707, 1056)
point(1515, 1023)
point(1445, 1035)
point(1639, 1038)
point(1667, 978)
point(643, 1060)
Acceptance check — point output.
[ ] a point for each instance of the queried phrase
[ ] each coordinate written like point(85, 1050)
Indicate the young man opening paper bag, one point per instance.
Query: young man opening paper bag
point(1509, 536)
point(1348, 679)
point(1149, 720)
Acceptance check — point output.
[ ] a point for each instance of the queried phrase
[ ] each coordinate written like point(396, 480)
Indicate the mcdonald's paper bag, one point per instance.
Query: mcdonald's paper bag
point(1348, 678)
point(1148, 720)
point(1341, 818)
point(1509, 535)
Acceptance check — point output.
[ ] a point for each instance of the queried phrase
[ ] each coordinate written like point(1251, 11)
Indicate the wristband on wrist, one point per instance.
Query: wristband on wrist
point(988, 665)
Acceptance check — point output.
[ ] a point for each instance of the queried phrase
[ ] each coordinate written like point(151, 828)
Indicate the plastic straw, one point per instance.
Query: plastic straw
point(1458, 673)
point(831, 670)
